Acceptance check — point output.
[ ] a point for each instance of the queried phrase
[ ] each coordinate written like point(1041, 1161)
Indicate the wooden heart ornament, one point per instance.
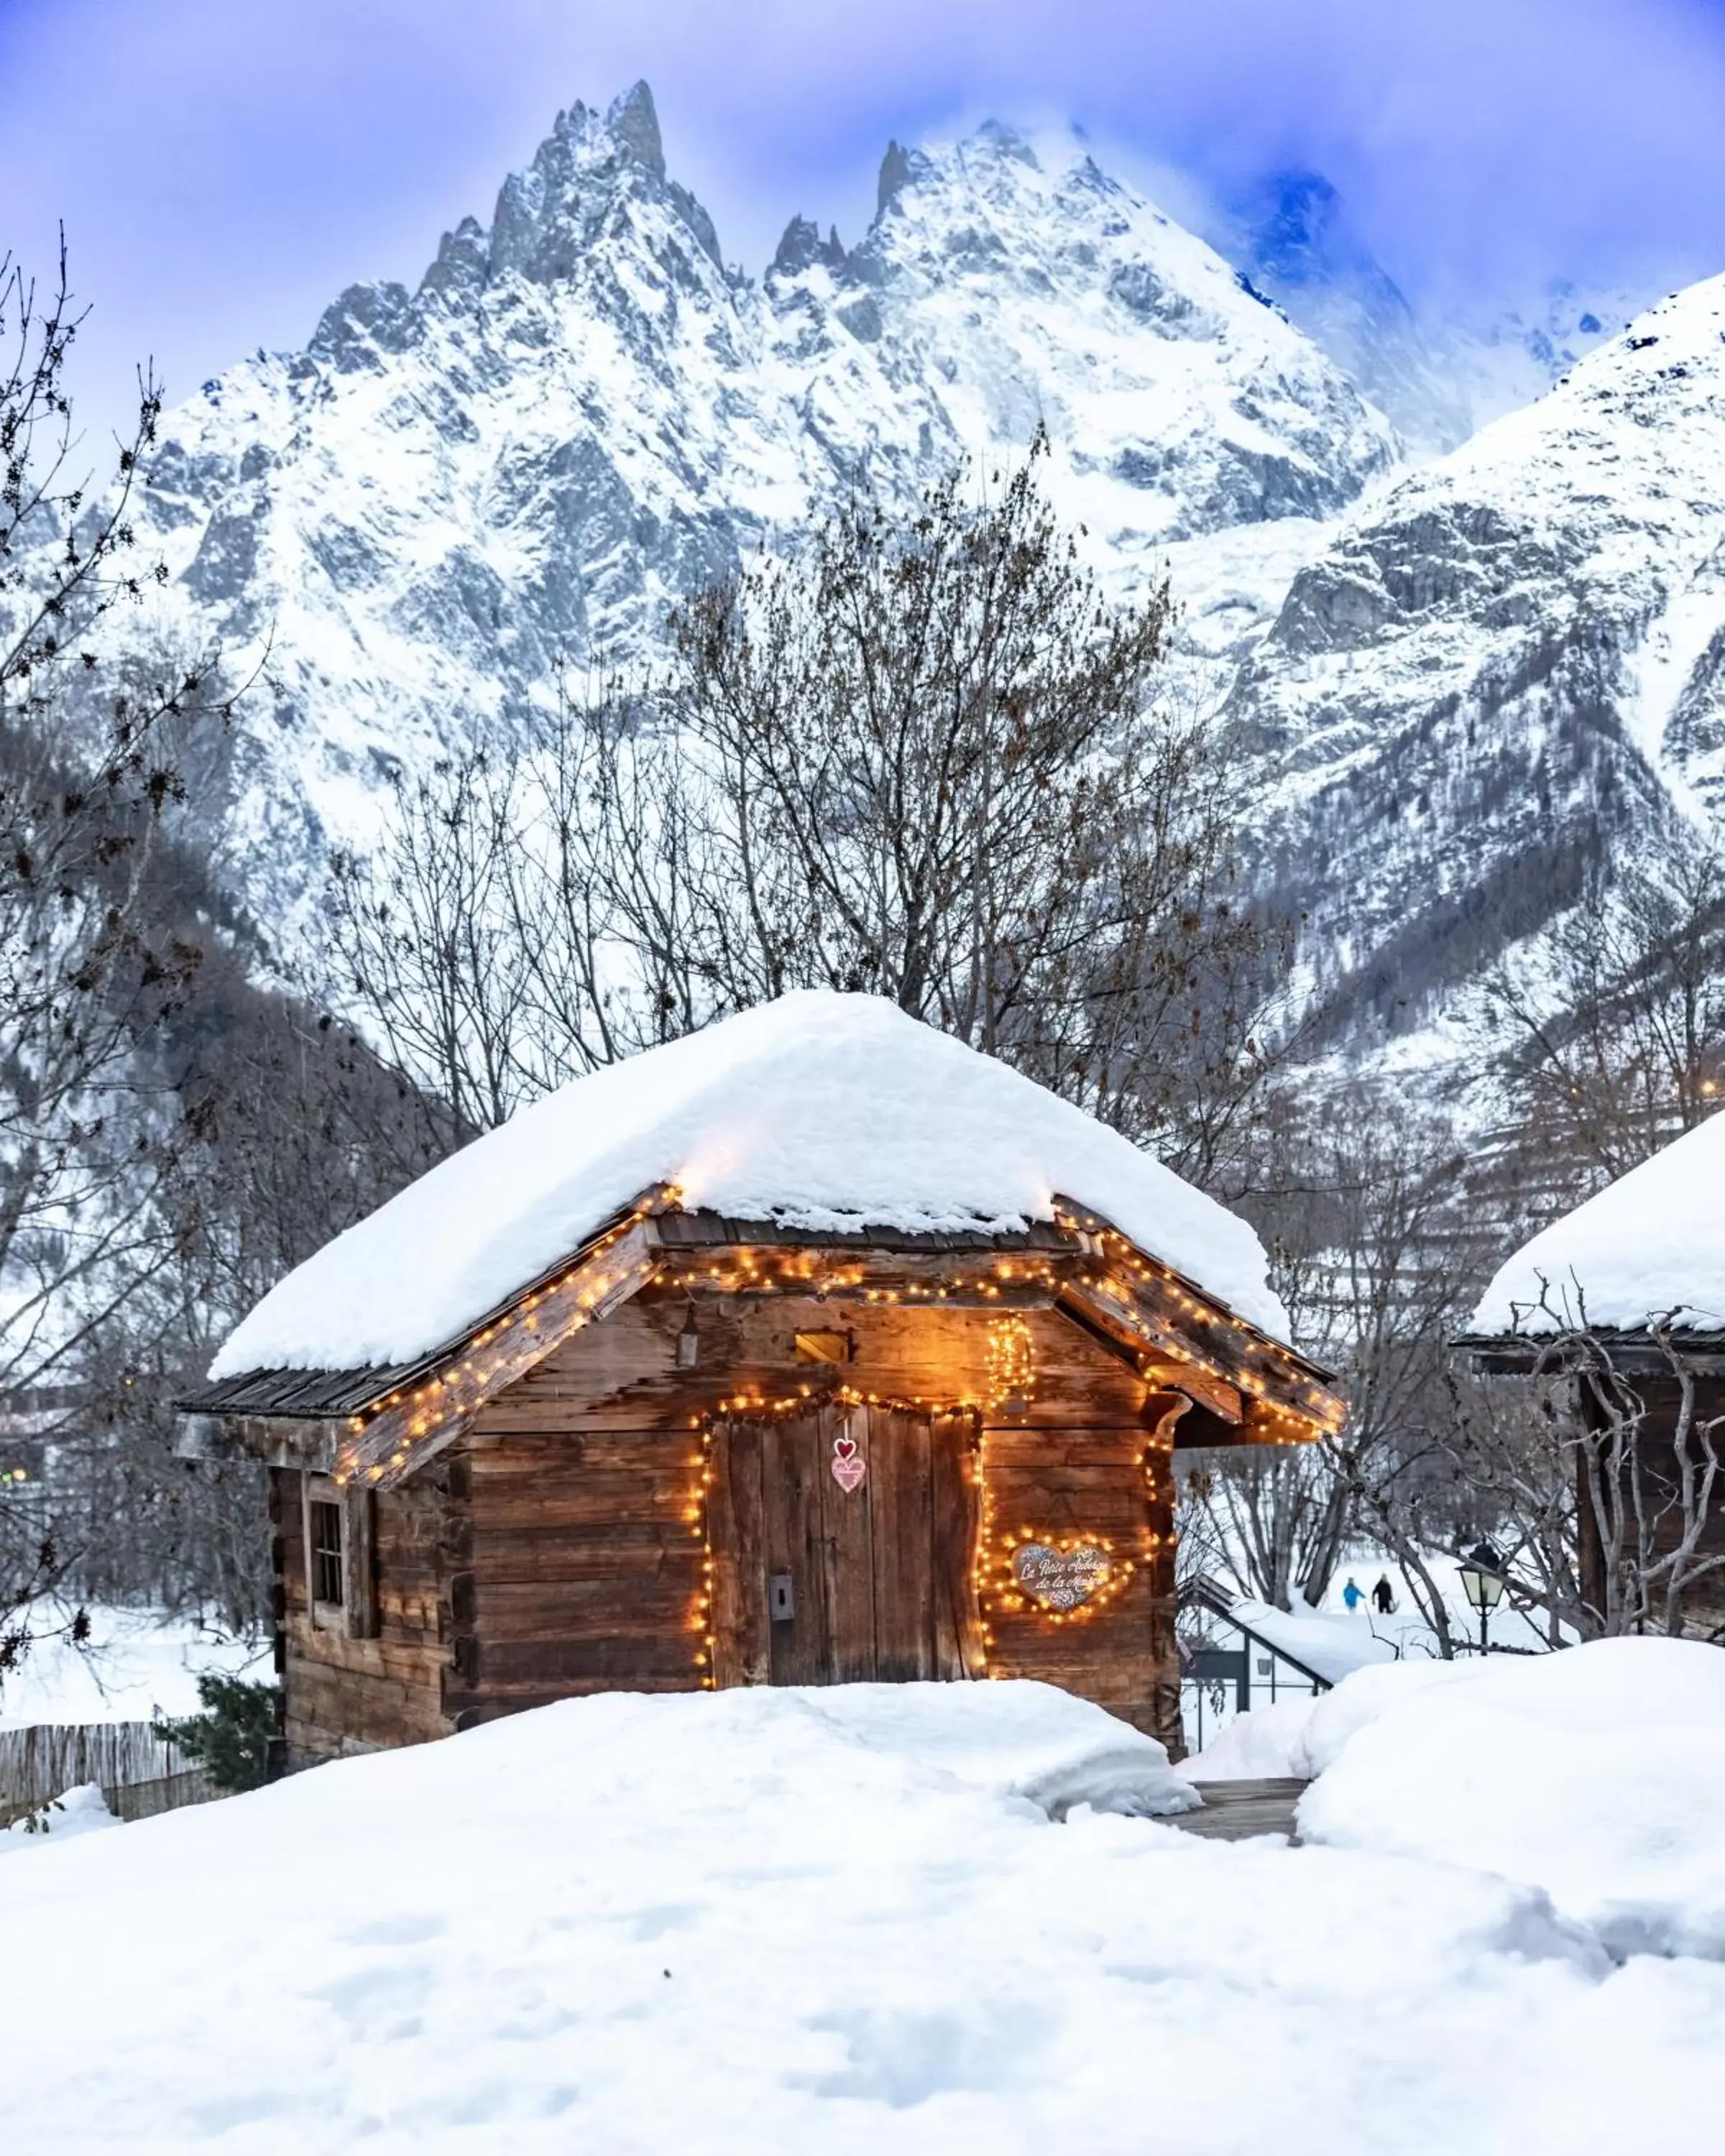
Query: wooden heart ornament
point(848, 1465)
point(1059, 1579)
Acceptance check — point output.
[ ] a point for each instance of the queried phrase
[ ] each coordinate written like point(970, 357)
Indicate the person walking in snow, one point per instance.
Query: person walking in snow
point(1384, 1594)
point(1350, 1595)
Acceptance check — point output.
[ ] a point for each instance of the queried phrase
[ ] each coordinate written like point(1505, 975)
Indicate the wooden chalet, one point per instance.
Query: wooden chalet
point(1622, 1302)
point(705, 1447)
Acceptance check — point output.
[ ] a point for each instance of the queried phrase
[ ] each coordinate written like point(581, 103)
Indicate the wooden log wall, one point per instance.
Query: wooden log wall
point(586, 1563)
point(1077, 1485)
point(585, 1566)
point(343, 1695)
point(625, 1375)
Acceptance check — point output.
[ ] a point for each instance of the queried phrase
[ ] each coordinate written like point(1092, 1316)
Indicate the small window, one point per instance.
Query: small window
point(326, 1567)
point(825, 1347)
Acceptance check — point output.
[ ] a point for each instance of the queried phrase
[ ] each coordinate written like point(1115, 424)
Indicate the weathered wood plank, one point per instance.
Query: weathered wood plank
point(1109, 1448)
point(607, 1549)
point(1119, 1653)
point(737, 1528)
point(847, 1553)
point(620, 1494)
point(903, 1516)
point(624, 1375)
point(385, 1447)
point(359, 1565)
point(643, 1605)
point(1203, 1340)
point(955, 1498)
point(625, 1659)
point(503, 1457)
point(800, 1648)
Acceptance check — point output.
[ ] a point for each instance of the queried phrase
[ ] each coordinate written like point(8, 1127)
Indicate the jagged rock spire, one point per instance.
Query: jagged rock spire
point(634, 120)
point(802, 247)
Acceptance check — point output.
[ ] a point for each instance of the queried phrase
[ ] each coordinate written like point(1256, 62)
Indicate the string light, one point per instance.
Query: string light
point(446, 1398)
point(1251, 1355)
point(384, 1437)
point(1004, 1585)
point(699, 1516)
point(984, 1543)
point(1012, 1364)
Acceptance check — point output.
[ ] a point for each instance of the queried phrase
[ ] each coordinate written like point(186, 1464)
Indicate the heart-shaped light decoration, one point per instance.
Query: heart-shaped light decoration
point(1059, 1579)
point(848, 1465)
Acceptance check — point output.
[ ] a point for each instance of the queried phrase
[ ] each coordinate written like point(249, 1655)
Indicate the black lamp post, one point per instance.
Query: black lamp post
point(1482, 1584)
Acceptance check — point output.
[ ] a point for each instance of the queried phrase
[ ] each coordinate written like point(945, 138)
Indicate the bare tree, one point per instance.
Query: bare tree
point(923, 758)
point(429, 934)
point(1607, 1473)
point(1377, 1252)
point(1617, 1042)
point(89, 783)
point(1272, 1522)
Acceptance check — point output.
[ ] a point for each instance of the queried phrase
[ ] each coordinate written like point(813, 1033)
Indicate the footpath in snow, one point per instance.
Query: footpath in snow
point(886, 1919)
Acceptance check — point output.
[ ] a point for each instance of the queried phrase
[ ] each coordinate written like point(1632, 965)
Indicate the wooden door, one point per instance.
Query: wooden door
point(820, 1578)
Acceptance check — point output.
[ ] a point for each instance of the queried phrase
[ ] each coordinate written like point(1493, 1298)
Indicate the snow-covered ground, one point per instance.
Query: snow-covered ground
point(82, 1810)
point(1596, 1773)
point(1331, 1641)
point(1404, 1630)
point(824, 1921)
point(138, 1663)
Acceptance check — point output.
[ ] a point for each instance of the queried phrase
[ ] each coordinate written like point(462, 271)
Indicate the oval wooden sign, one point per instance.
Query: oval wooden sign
point(1059, 1579)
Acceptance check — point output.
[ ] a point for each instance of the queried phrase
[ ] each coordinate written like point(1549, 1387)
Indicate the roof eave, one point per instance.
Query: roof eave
point(1206, 1333)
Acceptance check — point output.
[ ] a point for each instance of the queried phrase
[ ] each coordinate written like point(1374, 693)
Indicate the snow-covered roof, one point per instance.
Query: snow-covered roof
point(1652, 1241)
point(820, 1110)
point(1330, 1647)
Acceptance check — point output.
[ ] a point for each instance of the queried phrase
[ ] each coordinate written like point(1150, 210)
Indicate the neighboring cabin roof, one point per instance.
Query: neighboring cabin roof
point(822, 1112)
point(1323, 1647)
point(1652, 1242)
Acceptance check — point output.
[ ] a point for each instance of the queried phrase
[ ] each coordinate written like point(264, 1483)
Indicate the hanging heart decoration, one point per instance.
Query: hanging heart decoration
point(848, 1465)
point(1059, 1579)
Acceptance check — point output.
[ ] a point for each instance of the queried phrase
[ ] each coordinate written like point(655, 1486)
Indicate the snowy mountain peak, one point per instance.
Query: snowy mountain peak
point(634, 121)
point(899, 168)
point(596, 187)
point(583, 177)
point(1044, 290)
point(581, 414)
point(801, 247)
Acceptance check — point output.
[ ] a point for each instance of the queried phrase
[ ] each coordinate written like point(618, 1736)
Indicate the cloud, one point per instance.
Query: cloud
point(223, 170)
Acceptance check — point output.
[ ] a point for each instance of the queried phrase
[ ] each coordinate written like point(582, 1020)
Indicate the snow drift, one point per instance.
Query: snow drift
point(819, 1111)
point(767, 1919)
point(63, 1818)
point(1021, 1739)
point(1594, 1774)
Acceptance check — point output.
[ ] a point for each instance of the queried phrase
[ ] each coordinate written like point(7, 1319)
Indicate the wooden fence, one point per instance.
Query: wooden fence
point(140, 1773)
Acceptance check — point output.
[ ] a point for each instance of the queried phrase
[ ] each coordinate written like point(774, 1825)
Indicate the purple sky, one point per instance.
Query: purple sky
point(224, 166)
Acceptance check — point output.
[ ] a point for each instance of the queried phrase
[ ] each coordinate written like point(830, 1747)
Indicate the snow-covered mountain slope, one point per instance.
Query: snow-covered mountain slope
point(1512, 661)
point(582, 413)
point(1439, 373)
point(1291, 234)
point(1503, 357)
